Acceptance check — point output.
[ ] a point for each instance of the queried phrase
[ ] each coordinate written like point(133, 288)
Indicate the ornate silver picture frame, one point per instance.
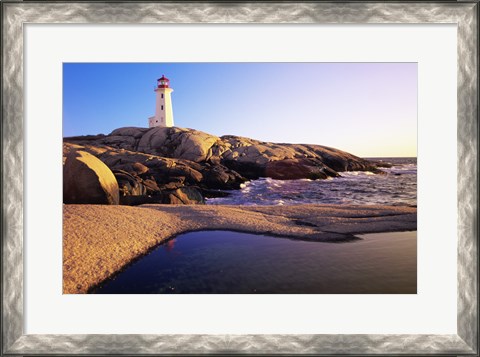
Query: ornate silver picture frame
point(17, 13)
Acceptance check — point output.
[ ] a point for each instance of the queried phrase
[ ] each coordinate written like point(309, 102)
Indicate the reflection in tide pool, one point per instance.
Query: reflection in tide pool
point(221, 262)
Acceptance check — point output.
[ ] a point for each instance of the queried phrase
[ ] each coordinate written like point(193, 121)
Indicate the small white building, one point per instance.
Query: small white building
point(163, 109)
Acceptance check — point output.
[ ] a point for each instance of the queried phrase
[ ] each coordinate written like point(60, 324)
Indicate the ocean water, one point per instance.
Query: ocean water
point(397, 187)
point(225, 262)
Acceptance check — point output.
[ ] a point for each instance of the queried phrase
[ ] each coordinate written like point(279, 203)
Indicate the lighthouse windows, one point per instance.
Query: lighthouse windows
point(162, 107)
point(162, 95)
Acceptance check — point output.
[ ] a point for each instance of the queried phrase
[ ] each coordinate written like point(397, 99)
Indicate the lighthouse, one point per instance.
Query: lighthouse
point(163, 104)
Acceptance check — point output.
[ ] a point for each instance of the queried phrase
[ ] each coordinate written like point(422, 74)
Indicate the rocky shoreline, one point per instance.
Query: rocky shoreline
point(173, 165)
point(100, 240)
point(167, 172)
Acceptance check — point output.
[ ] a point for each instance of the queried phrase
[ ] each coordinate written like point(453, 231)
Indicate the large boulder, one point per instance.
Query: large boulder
point(156, 141)
point(187, 144)
point(253, 152)
point(88, 180)
point(195, 146)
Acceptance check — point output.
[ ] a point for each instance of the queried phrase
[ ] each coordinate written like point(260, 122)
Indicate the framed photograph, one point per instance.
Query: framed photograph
point(230, 178)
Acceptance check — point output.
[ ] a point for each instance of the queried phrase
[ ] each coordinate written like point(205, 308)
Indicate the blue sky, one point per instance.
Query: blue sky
point(368, 109)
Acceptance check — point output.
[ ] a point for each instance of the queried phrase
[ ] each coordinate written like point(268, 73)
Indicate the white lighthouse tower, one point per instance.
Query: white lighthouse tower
point(163, 109)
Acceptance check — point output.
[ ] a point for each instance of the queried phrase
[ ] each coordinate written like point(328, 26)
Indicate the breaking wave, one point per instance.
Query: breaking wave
point(398, 186)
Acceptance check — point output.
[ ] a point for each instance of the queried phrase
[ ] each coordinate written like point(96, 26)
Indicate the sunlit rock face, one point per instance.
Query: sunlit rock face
point(152, 161)
point(86, 179)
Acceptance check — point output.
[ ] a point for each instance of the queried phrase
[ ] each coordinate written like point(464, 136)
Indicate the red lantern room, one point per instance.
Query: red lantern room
point(163, 82)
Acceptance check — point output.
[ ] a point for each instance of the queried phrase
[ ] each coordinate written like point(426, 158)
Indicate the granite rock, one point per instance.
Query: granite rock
point(86, 179)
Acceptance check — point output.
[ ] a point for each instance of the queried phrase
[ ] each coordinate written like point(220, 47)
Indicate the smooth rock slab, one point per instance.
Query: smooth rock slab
point(100, 240)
